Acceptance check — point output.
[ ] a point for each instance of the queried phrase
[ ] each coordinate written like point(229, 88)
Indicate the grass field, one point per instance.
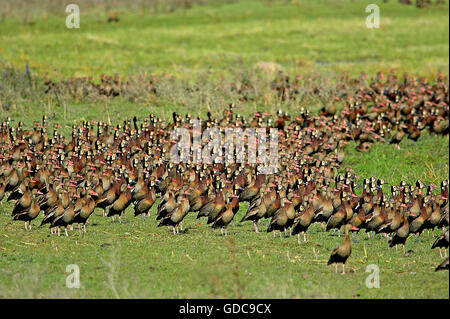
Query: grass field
point(203, 47)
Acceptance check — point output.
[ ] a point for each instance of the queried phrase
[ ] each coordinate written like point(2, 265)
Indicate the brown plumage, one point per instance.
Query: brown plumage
point(443, 266)
point(121, 203)
point(176, 216)
point(225, 218)
point(282, 217)
point(65, 219)
point(302, 221)
point(29, 214)
point(87, 208)
point(441, 242)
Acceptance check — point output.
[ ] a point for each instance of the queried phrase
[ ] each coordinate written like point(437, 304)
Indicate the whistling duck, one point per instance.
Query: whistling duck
point(398, 137)
point(144, 205)
point(65, 219)
point(121, 203)
point(378, 218)
point(49, 199)
point(433, 218)
point(23, 203)
point(253, 189)
point(339, 217)
point(391, 225)
point(444, 218)
point(2, 189)
point(176, 216)
point(30, 213)
point(417, 225)
point(199, 202)
point(109, 197)
point(341, 253)
point(326, 208)
point(213, 208)
point(302, 221)
point(84, 212)
point(275, 201)
point(256, 209)
point(167, 206)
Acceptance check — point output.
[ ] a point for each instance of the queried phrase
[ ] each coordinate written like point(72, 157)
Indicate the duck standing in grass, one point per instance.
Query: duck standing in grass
point(341, 253)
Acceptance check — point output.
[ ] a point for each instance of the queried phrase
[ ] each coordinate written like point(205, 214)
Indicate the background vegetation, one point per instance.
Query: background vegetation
point(197, 54)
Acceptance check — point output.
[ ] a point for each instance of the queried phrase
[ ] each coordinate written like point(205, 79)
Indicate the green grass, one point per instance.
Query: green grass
point(303, 36)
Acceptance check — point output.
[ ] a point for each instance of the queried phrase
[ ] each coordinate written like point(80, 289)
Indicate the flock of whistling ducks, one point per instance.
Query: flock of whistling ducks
point(110, 168)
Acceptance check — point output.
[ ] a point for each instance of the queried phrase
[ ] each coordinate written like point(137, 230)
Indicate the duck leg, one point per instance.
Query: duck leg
point(59, 231)
point(120, 218)
point(255, 226)
point(181, 226)
point(404, 248)
point(304, 236)
point(26, 227)
point(298, 238)
point(440, 252)
point(335, 268)
point(84, 227)
point(65, 230)
point(343, 269)
point(29, 225)
point(221, 230)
